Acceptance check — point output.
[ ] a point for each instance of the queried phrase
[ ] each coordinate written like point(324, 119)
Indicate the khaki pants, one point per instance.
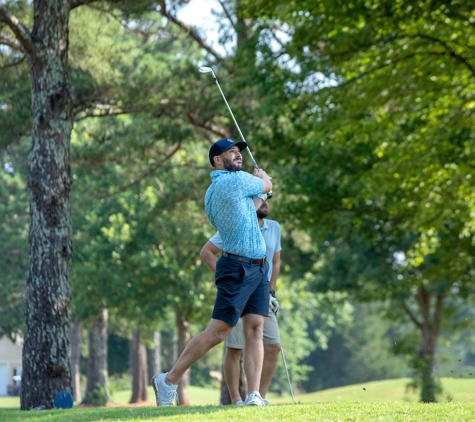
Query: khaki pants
point(235, 340)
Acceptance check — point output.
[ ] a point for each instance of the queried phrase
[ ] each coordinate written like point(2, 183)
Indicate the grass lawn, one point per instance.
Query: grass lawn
point(373, 401)
point(198, 396)
point(456, 390)
point(381, 412)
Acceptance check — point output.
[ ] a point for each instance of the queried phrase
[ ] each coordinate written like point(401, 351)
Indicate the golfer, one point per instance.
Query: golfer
point(235, 341)
point(241, 272)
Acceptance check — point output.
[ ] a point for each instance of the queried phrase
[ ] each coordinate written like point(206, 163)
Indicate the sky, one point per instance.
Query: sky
point(199, 14)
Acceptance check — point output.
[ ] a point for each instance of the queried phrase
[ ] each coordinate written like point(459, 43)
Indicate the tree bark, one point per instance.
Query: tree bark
point(46, 350)
point(97, 390)
point(429, 327)
point(139, 369)
point(225, 396)
point(153, 357)
point(183, 339)
point(76, 331)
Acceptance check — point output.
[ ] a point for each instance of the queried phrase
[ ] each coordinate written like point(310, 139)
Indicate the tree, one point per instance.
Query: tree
point(53, 107)
point(382, 163)
point(49, 244)
point(139, 369)
point(97, 389)
point(76, 336)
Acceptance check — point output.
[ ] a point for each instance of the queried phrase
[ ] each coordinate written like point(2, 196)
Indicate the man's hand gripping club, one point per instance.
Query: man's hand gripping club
point(267, 192)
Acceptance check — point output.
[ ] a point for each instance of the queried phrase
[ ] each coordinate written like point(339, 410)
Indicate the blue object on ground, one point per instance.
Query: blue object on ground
point(63, 400)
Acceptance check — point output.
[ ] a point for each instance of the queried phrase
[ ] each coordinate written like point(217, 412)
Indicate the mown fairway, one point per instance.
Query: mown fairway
point(375, 401)
point(396, 411)
point(456, 390)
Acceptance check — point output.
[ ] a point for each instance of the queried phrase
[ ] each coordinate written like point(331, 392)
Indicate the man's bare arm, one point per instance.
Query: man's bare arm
point(208, 255)
point(275, 271)
point(261, 174)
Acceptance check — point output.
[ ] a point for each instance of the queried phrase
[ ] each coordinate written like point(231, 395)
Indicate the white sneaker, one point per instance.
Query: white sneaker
point(254, 399)
point(165, 392)
point(239, 403)
point(266, 403)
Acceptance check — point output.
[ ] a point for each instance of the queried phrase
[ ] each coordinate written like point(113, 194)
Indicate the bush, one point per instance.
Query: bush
point(120, 382)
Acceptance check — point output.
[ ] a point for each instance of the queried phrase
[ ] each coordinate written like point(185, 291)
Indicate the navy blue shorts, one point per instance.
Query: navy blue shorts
point(242, 289)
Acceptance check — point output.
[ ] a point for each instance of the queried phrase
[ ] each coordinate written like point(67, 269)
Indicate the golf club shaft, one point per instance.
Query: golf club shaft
point(236, 123)
point(287, 372)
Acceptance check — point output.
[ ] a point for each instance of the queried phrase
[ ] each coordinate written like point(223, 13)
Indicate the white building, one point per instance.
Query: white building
point(10, 363)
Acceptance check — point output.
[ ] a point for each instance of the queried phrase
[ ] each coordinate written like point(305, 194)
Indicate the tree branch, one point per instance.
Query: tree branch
point(228, 15)
point(107, 114)
point(21, 32)
point(76, 3)
point(188, 30)
point(212, 128)
point(144, 175)
point(10, 43)
point(411, 315)
point(5, 66)
point(451, 52)
point(380, 67)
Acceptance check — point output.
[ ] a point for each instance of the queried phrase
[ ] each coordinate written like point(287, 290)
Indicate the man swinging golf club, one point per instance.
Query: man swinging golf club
point(241, 272)
point(235, 343)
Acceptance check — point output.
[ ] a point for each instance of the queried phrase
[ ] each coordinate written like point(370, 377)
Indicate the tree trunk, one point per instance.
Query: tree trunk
point(46, 350)
point(171, 355)
point(76, 331)
point(153, 357)
point(225, 396)
point(139, 369)
point(97, 390)
point(183, 338)
point(429, 328)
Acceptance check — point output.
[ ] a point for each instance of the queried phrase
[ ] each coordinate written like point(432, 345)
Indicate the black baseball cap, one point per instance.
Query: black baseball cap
point(223, 145)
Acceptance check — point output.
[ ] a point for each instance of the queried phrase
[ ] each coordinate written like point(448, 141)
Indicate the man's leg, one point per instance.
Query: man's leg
point(232, 372)
point(271, 352)
point(253, 331)
point(271, 357)
point(165, 385)
point(214, 334)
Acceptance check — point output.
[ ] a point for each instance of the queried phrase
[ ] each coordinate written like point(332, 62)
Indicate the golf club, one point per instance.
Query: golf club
point(205, 69)
point(287, 372)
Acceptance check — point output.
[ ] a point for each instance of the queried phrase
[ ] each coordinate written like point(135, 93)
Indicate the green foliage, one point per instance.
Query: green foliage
point(98, 396)
point(15, 93)
point(361, 112)
point(382, 144)
point(117, 355)
point(140, 170)
point(119, 382)
point(13, 235)
point(359, 351)
point(456, 357)
point(300, 334)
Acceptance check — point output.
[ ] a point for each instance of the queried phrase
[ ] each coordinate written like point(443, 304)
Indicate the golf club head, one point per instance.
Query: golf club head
point(205, 69)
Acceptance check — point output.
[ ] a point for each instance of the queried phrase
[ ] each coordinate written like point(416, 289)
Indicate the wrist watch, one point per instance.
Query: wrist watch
point(272, 292)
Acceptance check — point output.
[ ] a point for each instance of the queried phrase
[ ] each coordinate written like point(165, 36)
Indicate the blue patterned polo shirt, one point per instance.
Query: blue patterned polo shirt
point(270, 230)
point(229, 206)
